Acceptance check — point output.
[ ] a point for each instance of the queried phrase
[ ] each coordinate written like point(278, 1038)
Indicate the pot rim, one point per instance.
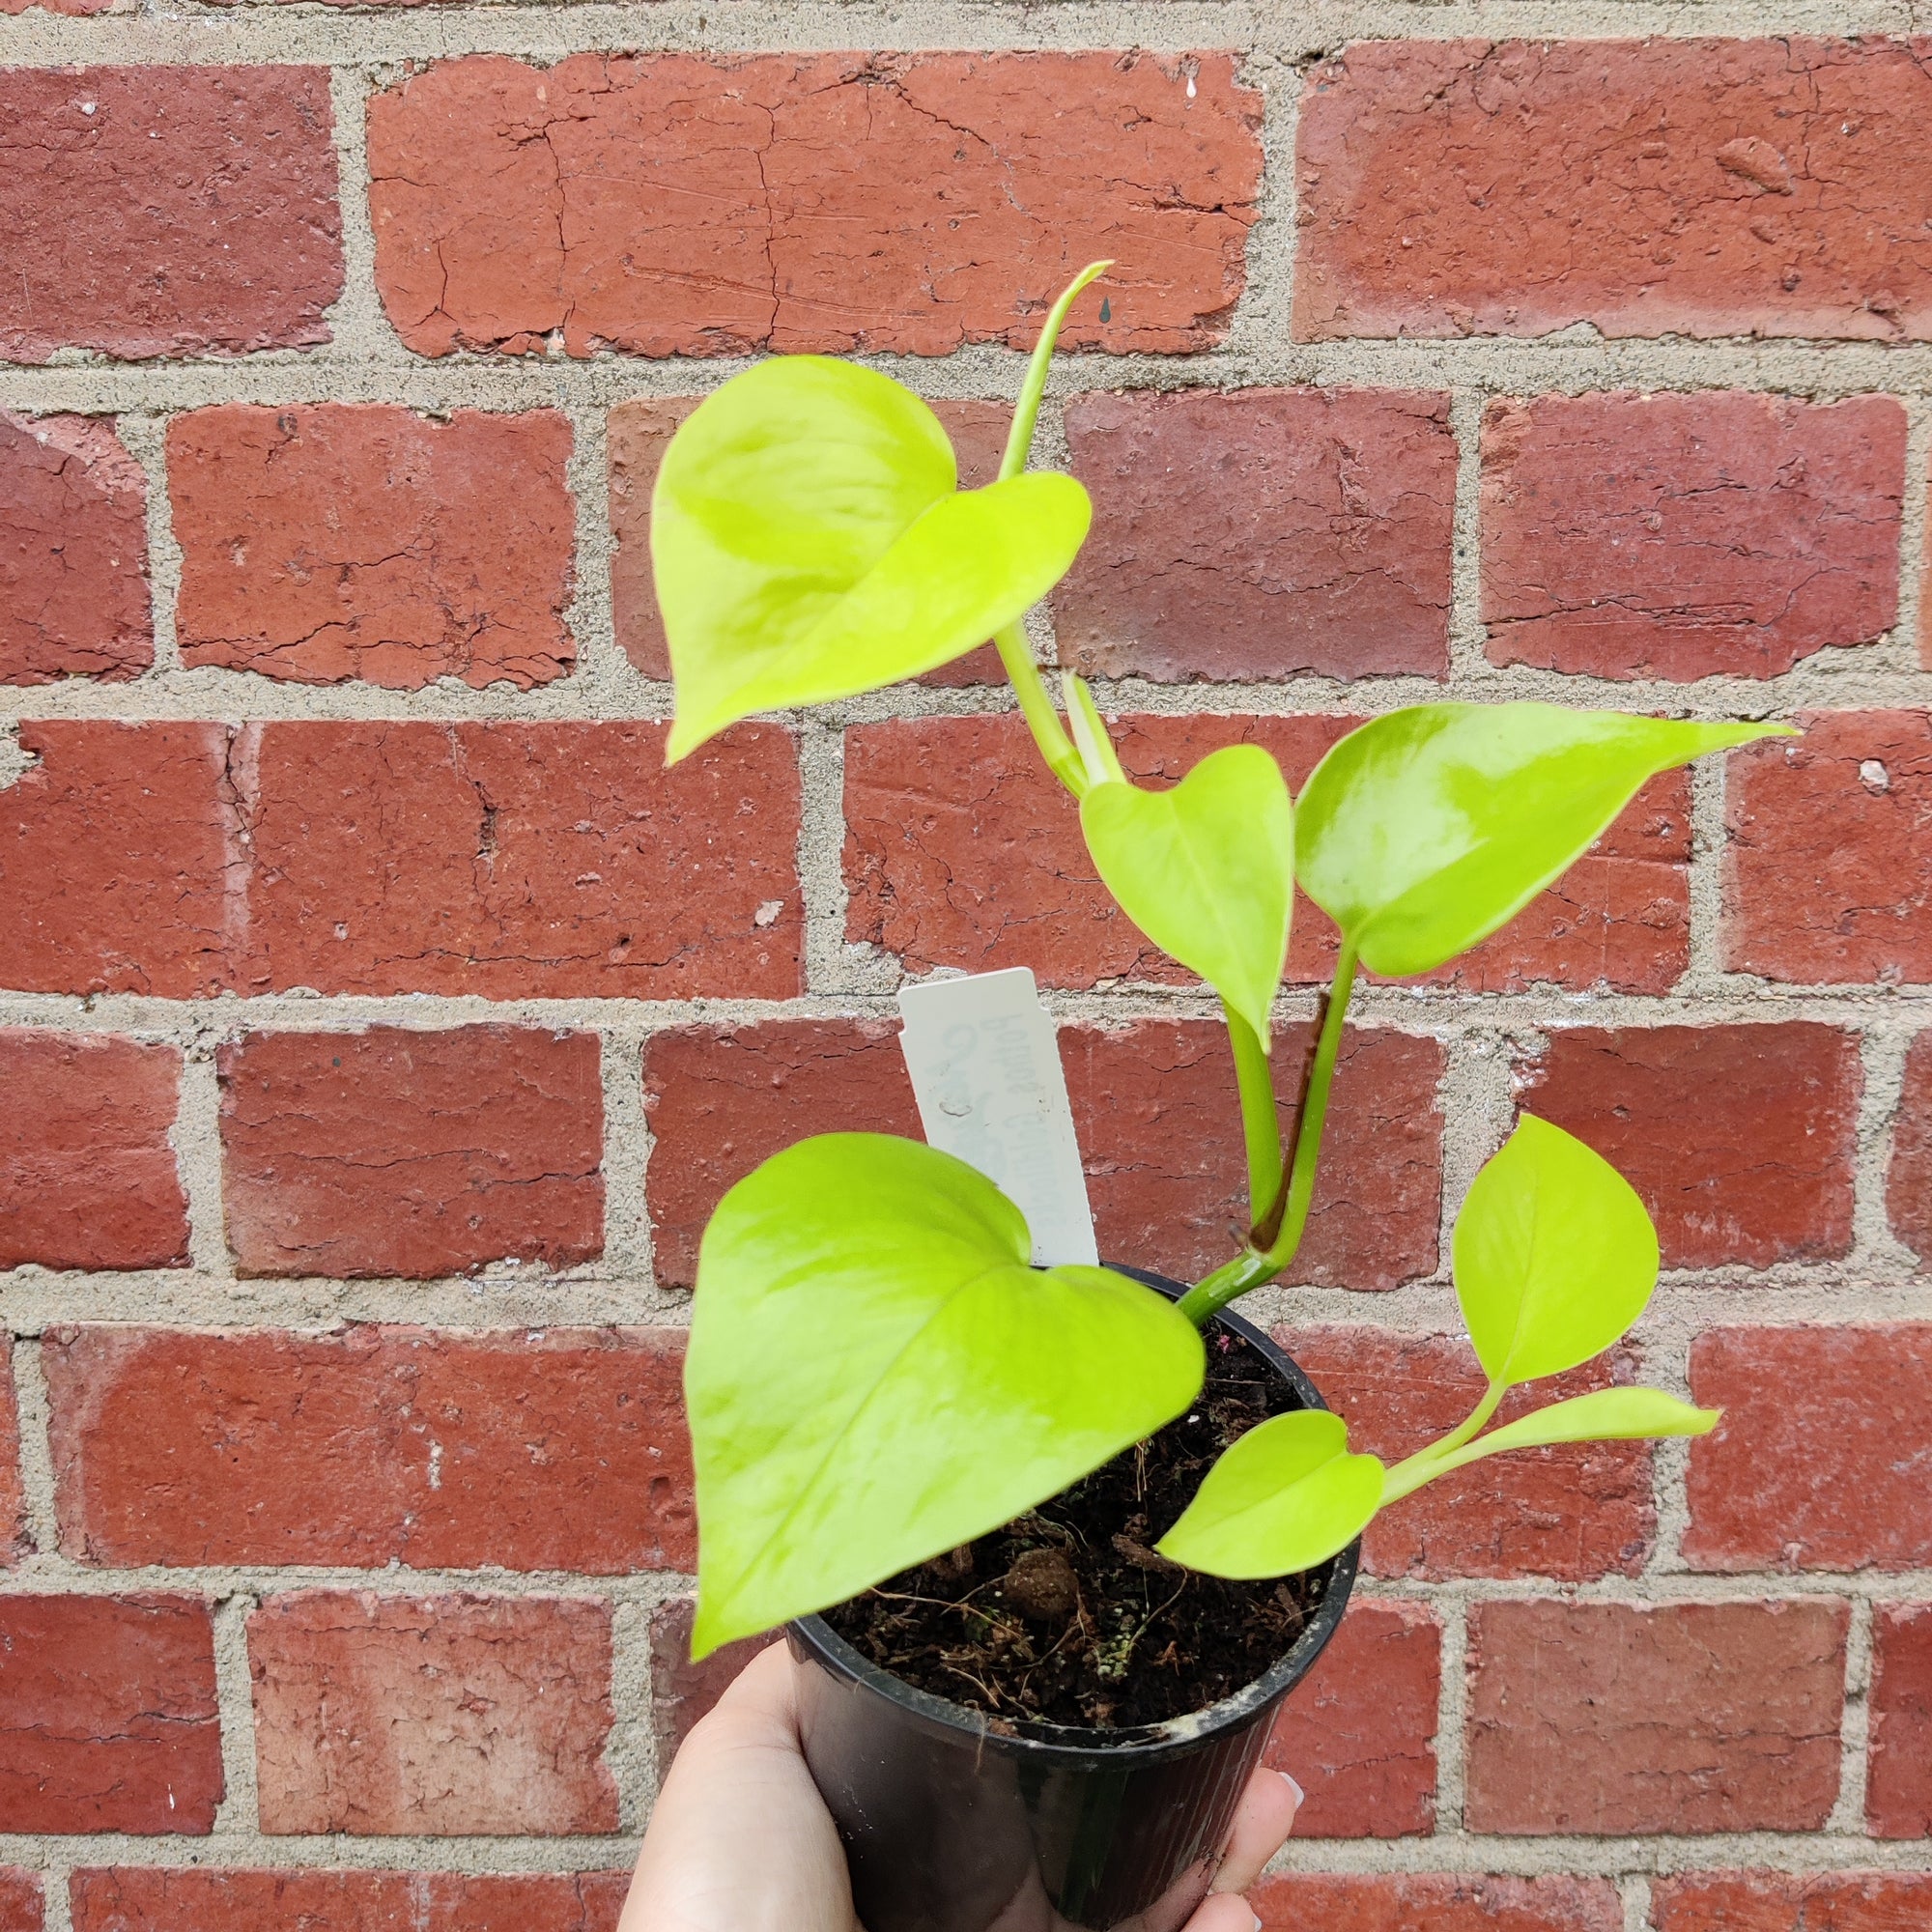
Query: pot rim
point(1144, 1744)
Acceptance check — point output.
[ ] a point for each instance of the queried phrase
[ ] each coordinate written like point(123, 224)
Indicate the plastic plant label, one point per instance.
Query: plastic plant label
point(985, 1071)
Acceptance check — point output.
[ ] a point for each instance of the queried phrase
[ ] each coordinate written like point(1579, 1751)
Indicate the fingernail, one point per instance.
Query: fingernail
point(1299, 1793)
point(1256, 1915)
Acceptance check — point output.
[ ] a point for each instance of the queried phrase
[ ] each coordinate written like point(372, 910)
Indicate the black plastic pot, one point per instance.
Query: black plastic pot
point(950, 1826)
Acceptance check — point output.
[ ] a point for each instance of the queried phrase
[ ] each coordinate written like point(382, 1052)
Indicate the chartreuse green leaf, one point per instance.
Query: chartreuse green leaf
point(1206, 870)
point(809, 543)
point(1554, 1255)
point(1283, 1497)
point(1604, 1415)
point(875, 1375)
point(1424, 831)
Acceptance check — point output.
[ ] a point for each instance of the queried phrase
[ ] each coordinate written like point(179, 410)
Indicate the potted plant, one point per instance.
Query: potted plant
point(1057, 1541)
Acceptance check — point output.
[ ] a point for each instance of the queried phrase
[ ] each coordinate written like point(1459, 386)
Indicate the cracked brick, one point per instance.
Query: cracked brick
point(548, 1449)
point(667, 204)
point(1773, 1901)
point(1898, 1785)
point(400, 1152)
point(362, 541)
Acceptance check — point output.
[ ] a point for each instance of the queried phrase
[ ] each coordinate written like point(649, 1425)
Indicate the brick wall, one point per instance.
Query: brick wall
point(378, 1022)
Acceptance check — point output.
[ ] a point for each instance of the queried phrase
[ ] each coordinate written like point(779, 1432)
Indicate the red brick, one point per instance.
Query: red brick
point(1820, 1460)
point(1741, 1139)
point(108, 1715)
point(1764, 1901)
point(554, 861)
point(638, 434)
point(1154, 1108)
point(362, 541)
point(1630, 1718)
point(74, 552)
point(1908, 1181)
point(895, 202)
point(455, 1714)
point(956, 834)
point(112, 856)
point(401, 1152)
point(19, 1891)
point(1359, 1734)
point(133, 1899)
point(683, 1692)
point(1899, 1788)
point(1262, 533)
point(1576, 1512)
point(1701, 187)
point(1723, 534)
point(560, 1449)
point(14, 1540)
point(167, 211)
point(1440, 1901)
point(87, 1177)
point(1828, 873)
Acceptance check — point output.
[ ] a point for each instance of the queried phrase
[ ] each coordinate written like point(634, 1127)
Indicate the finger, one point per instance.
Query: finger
point(1263, 1821)
point(1224, 1912)
point(760, 1706)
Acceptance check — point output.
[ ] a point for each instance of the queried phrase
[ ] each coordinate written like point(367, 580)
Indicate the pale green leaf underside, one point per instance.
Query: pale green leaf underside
point(1554, 1255)
point(1605, 1415)
point(1206, 870)
point(1424, 831)
point(876, 1375)
point(1284, 1497)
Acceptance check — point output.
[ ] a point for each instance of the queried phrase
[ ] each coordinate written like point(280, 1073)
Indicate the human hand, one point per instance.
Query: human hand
point(740, 1841)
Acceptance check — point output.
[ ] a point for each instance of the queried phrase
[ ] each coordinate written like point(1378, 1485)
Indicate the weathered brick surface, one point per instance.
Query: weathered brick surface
point(129, 1898)
point(74, 552)
point(1680, 1717)
point(683, 1692)
point(1908, 1181)
point(88, 1179)
point(1576, 1512)
point(638, 434)
point(363, 541)
point(1358, 1735)
point(1441, 1901)
point(1898, 1783)
point(1725, 535)
point(1154, 1109)
point(14, 1540)
point(1741, 1139)
point(458, 1714)
point(1819, 1462)
point(559, 1449)
point(166, 211)
point(664, 204)
point(1261, 533)
point(1827, 869)
point(1766, 1901)
point(397, 1151)
point(21, 1902)
point(107, 1715)
point(1698, 188)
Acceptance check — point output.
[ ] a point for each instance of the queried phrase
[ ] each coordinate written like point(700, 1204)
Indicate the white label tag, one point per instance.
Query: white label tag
point(986, 1069)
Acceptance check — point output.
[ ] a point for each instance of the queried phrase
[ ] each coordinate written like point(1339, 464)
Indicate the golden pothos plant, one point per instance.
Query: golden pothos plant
point(875, 1373)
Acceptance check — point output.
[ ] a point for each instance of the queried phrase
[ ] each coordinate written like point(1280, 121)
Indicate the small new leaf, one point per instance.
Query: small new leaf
point(1206, 870)
point(1424, 831)
point(875, 1375)
point(1605, 1415)
point(1284, 1497)
point(1554, 1255)
point(809, 543)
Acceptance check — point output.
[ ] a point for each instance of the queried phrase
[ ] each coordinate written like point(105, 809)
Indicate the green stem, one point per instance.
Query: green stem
point(1252, 1266)
point(1260, 1123)
point(1026, 413)
point(1036, 708)
point(1448, 1452)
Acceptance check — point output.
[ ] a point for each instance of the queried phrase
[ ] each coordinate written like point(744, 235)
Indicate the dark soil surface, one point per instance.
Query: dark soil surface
point(1067, 1617)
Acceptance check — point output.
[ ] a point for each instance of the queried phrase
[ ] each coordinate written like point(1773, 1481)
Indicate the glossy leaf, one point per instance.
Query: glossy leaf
point(1424, 831)
point(809, 543)
point(1554, 1255)
point(875, 1375)
point(1206, 870)
point(1604, 1415)
point(1284, 1497)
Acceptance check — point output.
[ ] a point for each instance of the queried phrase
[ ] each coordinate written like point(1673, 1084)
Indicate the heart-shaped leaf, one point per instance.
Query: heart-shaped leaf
point(1424, 831)
point(1206, 870)
point(1604, 1415)
point(1284, 1497)
point(809, 543)
point(1554, 1255)
point(876, 1375)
